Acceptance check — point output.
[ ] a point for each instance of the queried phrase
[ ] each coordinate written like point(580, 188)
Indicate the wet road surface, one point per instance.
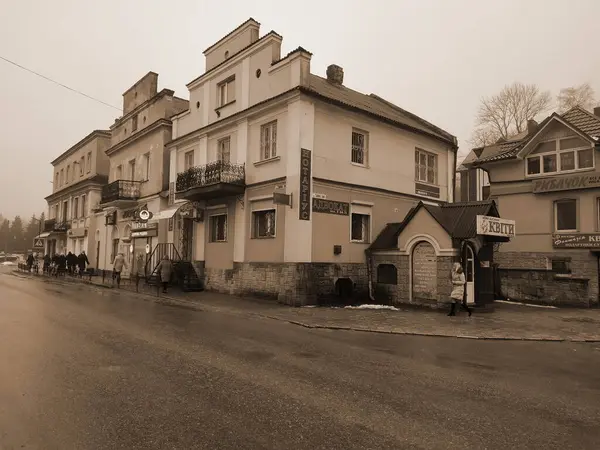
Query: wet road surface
point(85, 368)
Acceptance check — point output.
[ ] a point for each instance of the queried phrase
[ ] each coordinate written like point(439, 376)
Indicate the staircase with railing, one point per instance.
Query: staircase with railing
point(184, 273)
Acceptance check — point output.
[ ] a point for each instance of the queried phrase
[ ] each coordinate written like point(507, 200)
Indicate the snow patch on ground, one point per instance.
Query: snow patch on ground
point(391, 308)
point(526, 304)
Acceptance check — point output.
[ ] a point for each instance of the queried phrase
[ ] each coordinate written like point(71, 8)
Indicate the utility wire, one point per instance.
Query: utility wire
point(60, 84)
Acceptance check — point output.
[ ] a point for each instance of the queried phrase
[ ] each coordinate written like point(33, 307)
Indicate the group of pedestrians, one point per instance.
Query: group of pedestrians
point(70, 263)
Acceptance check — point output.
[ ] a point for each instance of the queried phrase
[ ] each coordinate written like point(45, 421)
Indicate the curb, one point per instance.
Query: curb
point(173, 301)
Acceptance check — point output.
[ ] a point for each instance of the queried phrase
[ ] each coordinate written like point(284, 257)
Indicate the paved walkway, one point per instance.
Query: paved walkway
point(508, 322)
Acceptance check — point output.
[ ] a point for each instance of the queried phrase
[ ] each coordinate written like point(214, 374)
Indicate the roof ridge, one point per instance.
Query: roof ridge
point(583, 110)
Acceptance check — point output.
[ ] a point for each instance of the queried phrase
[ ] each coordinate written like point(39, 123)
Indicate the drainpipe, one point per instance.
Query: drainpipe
point(370, 273)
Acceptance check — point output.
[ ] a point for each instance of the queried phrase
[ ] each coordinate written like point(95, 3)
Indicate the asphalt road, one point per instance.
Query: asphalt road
point(85, 368)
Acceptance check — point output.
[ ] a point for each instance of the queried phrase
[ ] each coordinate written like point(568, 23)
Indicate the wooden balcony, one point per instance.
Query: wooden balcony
point(213, 180)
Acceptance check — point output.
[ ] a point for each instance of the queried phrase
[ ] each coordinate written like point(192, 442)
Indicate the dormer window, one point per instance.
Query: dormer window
point(560, 156)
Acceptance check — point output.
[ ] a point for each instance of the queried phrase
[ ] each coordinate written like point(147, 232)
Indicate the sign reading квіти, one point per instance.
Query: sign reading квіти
point(495, 226)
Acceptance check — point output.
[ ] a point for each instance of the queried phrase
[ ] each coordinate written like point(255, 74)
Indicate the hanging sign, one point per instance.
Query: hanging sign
point(494, 226)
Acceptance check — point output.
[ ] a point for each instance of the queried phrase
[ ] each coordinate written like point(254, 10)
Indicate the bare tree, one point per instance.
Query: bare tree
point(483, 136)
point(582, 95)
point(505, 114)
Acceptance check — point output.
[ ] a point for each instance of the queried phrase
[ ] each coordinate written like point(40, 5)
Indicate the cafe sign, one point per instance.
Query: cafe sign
point(567, 183)
point(581, 240)
point(495, 226)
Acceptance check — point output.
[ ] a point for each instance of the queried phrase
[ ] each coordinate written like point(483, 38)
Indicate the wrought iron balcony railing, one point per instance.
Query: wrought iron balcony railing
point(52, 225)
point(121, 190)
point(210, 174)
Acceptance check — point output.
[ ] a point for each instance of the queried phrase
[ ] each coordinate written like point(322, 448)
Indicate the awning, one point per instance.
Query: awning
point(44, 235)
point(168, 212)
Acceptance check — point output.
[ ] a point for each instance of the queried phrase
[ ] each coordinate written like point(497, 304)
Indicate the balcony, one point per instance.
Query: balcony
point(213, 180)
point(120, 193)
point(52, 226)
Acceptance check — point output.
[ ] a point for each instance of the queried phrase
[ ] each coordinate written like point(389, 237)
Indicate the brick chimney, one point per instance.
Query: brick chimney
point(335, 74)
point(531, 126)
point(597, 111)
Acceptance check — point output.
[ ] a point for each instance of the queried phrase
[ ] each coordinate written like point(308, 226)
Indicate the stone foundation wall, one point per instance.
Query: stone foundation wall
point(399, 294)
point(527, 276)
point(294, 284)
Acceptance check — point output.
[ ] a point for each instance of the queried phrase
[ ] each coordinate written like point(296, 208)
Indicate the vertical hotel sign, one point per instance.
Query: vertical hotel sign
point(305, 177)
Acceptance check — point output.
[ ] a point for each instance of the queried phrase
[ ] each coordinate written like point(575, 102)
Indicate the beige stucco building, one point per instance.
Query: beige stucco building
point(547, 179)
point(280, 179)
point(138, 173)
point(78, 177)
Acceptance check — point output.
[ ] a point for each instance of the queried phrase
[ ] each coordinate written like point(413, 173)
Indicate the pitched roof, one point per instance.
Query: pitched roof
point(577, 117)
point(375, 105)
point(458, 219)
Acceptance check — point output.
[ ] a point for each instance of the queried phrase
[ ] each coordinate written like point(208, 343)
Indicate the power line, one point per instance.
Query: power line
point(60, 84)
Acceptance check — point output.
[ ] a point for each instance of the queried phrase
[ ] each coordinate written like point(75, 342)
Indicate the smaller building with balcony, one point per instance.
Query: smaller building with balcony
point(80, 173)
point(138, 172)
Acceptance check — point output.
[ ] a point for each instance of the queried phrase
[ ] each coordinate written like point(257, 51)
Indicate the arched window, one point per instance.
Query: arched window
point(387, 274)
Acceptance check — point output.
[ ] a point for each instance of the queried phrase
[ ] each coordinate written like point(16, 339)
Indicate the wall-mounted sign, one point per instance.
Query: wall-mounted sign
point(494, 226)
point(427, 190)
point(77, 232)
point(280, 198)
point(111, 218)
point(305, 178)
point(144, 233)
point(38, 243)
point(589, 240)
point(143, 226)
point(317, 195)
point(144, 215)
point(330, 207)
point(566, 183)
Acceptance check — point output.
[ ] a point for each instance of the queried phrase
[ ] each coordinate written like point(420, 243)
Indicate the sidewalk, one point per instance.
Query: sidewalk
point(508, 322)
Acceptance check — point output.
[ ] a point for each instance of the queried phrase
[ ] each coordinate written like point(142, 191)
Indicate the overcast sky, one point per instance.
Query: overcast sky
point(436, 58)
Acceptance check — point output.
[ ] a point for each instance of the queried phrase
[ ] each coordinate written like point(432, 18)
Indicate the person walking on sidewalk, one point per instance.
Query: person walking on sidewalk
point(458, 290)
point(82, 261)
point(118, 265)
point(164, 269)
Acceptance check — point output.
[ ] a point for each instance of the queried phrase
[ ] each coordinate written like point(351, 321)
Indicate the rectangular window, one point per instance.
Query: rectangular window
point(65, 211)
point(89, 162)
point(226, 92)
point(360, 227)
point(131, 170)
point(585, 158)
point(263, 224)
point(56, 180)
point(83, 206)
point(359, 147)
point(268, 140)
point(550, 163)
point(224, 149)
point(81, 166)
point(425, 167)
point(188, 160)
point(68, 174)
point(567, 161)
point(560, 156)
point(75, 208)
point(62, 176)
point(218, 228)
point(533, 165)
point(560, 265)
point(119, 172)
point(134, 123)
point(565, 215)
point(146, 167)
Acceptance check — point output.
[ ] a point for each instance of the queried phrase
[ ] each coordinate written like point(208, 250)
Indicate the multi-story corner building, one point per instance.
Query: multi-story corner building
point(139, 171)
point(79, 175)
point(280, 178)
point(547, 180)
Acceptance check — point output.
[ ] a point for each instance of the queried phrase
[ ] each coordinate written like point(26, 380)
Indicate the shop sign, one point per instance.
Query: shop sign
point(143, 226)
point(144, 233)
point(566, 183)
point(582, 240)
point(495, 226)
point(330, 207)
point(427, 190)
point(305, 177)
point(143, 215)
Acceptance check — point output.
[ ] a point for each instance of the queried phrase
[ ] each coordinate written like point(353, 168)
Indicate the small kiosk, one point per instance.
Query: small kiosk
point(411, 261)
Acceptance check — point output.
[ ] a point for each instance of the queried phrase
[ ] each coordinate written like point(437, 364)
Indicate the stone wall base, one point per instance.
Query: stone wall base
point(527, 277)
point(295, 284)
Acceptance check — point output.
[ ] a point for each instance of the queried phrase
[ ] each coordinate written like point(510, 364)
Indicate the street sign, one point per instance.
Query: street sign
point(38, 243)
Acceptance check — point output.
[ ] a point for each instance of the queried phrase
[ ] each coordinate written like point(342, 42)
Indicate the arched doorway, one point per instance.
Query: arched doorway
point(424, 272)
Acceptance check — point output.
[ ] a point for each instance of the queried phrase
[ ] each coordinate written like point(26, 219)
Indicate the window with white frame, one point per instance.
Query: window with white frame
point(218, 228)
point(565, 215)
point(360, 227)
point(75, 208)
point(146, 167)
point(263, 223)
point(360, 143)
point(560, 155)
point(188, 160)
point(56, 180)
point(81, 166)
point(226, 92)
point(83, 206)
point(89, 162)
point(268, 140)
point(132, 170)
point(68, 174)
point(224, 149)
point(425, 167)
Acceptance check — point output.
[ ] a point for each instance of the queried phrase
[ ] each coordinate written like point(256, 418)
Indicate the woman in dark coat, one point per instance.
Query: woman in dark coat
point(164, 269)
point(83, 261)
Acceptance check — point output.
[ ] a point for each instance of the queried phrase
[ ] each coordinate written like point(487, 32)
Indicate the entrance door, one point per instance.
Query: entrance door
point(470, 273)
point(186, 239)
point(97, 255)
